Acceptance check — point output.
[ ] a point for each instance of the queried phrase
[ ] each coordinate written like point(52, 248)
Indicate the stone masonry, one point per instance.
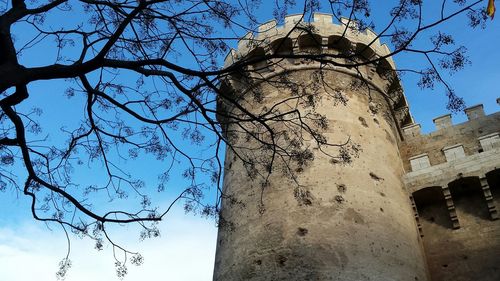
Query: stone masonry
point(454, 180)
point(410, 206)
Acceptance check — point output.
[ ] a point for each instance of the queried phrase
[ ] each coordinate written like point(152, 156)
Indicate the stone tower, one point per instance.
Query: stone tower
point(355, 220)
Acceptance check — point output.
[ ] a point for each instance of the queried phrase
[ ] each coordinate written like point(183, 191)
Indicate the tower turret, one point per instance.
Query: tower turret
point(340, 210)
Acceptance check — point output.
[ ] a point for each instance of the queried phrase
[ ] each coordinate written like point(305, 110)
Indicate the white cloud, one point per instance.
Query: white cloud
point(185, 252)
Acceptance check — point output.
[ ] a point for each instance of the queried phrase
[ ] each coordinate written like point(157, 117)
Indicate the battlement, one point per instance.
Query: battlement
point(445, 122)
point(470, 140)
point(344, 44)
point(319, 35)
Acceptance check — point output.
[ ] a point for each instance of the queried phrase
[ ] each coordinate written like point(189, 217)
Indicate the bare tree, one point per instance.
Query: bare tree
point(147, 76)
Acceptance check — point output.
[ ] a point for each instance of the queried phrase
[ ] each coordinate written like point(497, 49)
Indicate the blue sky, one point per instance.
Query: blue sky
point(186, 249)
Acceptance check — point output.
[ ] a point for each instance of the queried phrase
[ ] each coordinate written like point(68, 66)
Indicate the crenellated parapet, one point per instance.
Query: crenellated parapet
point(325, 34)
point(342, 44)
point(472, 141)
point(444, 122)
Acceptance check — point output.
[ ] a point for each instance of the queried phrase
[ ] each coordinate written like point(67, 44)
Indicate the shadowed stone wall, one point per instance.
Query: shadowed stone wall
point(461, 231)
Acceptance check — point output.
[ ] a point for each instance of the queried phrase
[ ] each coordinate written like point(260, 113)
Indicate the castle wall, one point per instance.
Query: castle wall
point(356, 221)
point(459, 164)
point(353, 220)
point(467, 134)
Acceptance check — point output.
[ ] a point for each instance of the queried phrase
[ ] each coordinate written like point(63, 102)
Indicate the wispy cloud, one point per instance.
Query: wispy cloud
point(184, 252)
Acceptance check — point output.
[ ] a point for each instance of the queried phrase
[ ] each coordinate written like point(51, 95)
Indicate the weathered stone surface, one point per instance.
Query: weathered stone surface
point(461, 235)
point(363, 230)
point(373, 218)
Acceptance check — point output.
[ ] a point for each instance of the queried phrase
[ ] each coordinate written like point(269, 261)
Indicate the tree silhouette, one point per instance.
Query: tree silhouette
point(149, 83)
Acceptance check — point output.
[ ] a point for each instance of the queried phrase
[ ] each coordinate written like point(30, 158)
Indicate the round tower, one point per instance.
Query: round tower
point(340, 211)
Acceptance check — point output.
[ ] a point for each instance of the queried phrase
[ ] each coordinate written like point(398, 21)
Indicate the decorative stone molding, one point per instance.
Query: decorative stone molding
point(451, 207)
point(488, 197)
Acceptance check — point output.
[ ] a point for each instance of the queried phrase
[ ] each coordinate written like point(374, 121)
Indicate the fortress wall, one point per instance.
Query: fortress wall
point(467, 253)
point(357, 222)
point(354, 221)
point(467, 134)
point(337, 220)
point(456, 195)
